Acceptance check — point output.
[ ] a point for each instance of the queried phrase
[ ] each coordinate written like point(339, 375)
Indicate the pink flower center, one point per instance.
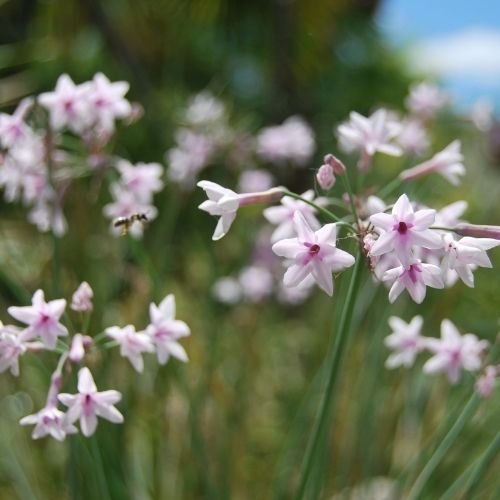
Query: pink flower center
point(402, 228)
point(314, 250)
point(412, 273)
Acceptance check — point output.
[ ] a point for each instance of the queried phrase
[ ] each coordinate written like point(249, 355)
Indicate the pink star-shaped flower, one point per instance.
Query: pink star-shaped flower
point(312, 253)
point(89, 404)
point(454, 352)
point(404, 229)
point(165, 330)
point(42, 319)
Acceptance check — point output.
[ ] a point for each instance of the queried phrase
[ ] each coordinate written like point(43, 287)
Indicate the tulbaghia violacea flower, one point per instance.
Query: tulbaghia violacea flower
point(142, 179)
point(447, 162)
point(291, 141)
point(204, 109)
point(405, 340)
point(89, 404)
point(454, 352)
point(256, 283)
point(224, 203)
point(415, 277)
point(132, 344)
point(49, 421)
point(464, 255)
point(252, 181)
point(450, 215)
point(107, 102)
point(282, 215)
point(42, 319)
point(67, 105)
point(413, 137)
point(486, 382)
point(425, 99)
point(11, 347)
point(370, 134)
point(404, 229)
point(13, 128)
point(82, 298)
point(227, 290)
point(165, 331)
point(312, 253)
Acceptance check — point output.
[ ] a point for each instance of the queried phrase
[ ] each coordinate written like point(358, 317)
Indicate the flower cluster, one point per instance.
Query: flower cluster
point(407, 246)
point(37, 165)
point(43, 330)
point(451, 354)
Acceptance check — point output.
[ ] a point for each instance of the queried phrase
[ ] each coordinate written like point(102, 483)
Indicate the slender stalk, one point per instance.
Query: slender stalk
point(480, 469)
point(333, 362)
point(347, 185)
point(443, 447)
point(321, 210)
point(389, 188)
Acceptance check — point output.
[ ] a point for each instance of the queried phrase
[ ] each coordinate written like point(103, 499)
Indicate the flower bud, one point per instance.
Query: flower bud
point(478, 231)
point(486, 383)
point(326, 177)
point(82, 298)
point(77, 349)
point(337, 166)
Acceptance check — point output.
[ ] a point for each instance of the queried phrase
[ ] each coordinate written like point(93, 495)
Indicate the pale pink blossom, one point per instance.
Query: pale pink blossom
point(256, 283)
point(12, 346)
point(454, 352)
point(465, 255)
point(142, 179)
point(282, 215)
point(447, 162)
point(89, 404)
point(450, 215)
point(254, 180)
point(227, 290)
point(107, 102)
point(413, 137)
point(369, 135)
point(132, 344)
point(222, 203)
point(415, 277)
point(425, 99)
point(486, 382)
point(312, 253)
point(204, 109)
point(42, 319)
point(49, 421)
point(404, 229)
point(405, 340)
point(193, 153)
point(82, 298)
point(13, 127)
point(67, 105)
point(482, 114)
point(292, 141)
point(165, 331)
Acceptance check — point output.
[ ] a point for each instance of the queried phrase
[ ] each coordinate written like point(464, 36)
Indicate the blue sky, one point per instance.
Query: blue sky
point(457, 40)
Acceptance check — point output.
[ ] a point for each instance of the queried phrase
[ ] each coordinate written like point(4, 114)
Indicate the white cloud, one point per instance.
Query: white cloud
point(472, 54)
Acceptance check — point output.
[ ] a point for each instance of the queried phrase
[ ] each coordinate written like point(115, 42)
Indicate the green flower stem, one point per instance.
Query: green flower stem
point(321, 210)
point(333, 363)
point(347, 185)
point(443, 447)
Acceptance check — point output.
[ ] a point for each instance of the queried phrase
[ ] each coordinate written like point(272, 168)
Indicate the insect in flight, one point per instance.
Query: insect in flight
point(126, 222)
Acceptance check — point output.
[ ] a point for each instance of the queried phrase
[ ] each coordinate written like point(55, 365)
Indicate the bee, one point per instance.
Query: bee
point(126, 222)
